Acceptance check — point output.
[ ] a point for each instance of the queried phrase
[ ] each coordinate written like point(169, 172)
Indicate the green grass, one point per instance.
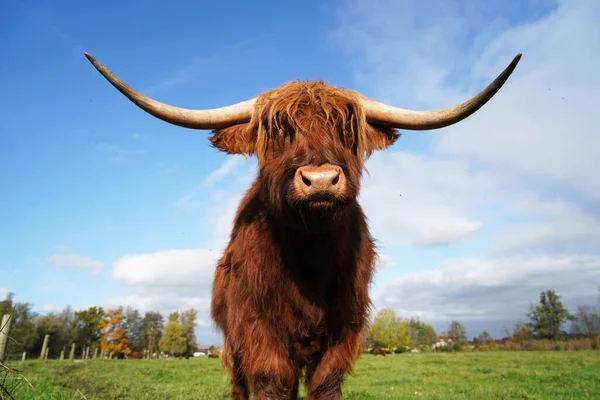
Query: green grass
point(492, 375)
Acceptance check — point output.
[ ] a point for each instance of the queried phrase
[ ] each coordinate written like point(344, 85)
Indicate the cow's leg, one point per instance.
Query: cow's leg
point(271, 373)
point(328, 389)
point(324, 380)
point(240, 386)
point(270, 390)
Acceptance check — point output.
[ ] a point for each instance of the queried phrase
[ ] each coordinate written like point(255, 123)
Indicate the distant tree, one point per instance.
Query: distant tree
point(152, 330)
point(114, 337)
point(421, 334)
point(484, 337)
point(173, 341)
point(548, 315)
point(188, 322)
point(389, 329)
point(133, 325)
point(586, 321)
point(458, 331)
point(521, 331)
point(87, 327)
point(60, 328)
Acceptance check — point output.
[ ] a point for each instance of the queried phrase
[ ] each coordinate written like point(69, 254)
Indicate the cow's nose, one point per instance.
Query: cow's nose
point(324, 178)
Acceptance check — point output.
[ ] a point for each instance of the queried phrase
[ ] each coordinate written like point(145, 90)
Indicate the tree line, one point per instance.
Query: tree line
point(124, 331)
point(116, 332)
point(543, 329)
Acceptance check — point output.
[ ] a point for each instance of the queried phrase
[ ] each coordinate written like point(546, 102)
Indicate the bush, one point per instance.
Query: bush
point(574, 344)
point(402, 349)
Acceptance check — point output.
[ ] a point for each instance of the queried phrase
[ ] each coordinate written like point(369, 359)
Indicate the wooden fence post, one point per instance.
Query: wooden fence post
point(62, 354)
point(24, 356)
point(72, 353)
point(43, 354)
point(95, 353)
point(4, 332)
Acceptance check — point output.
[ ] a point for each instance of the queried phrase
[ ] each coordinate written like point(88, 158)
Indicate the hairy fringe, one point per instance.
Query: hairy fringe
point(295, 108)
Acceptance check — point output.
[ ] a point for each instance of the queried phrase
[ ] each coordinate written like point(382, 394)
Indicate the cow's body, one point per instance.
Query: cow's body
point(291, 289)
point(289, 299)
point(379, 352)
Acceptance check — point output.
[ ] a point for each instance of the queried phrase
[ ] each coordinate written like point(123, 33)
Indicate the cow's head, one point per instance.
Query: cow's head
point(310, 139)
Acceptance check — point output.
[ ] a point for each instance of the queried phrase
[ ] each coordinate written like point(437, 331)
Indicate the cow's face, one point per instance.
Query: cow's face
point(311, 141)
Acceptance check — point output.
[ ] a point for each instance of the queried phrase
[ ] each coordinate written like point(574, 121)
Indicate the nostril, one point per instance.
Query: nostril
point(319, 179)
point(306, 181)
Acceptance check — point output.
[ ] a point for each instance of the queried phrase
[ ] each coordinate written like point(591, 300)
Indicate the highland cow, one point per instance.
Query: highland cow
point(379, 352)
point(290, 292)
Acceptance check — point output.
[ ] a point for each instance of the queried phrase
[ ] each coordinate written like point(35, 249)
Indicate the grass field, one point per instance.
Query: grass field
point(491, 375)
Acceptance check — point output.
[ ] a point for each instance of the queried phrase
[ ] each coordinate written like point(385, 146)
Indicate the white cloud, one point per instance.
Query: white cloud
point(230, 180)
point(77, 261)
point(186, 267)
point(493, 289)
point(558, 227)
point(520, 172)
point(410, 200)
point(230, 164)
point(48, 308)
point(168, 281)
point(383, 262)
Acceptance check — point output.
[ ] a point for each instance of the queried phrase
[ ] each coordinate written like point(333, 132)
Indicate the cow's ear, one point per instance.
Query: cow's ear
point(380, 138)
point(237, 139)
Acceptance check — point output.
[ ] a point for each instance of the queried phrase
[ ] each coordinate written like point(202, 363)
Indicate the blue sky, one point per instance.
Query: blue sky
point(104, 204)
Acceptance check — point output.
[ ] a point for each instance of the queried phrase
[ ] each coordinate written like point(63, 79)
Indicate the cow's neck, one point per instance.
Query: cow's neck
point(319, 252)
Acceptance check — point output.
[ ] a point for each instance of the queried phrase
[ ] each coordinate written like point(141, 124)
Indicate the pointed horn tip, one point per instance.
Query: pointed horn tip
point(515, 61)
point(91, 59)
point(517, 57)
point(509, 69)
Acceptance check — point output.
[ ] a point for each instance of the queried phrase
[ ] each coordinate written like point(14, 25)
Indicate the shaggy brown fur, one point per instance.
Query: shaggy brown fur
point(290, 292)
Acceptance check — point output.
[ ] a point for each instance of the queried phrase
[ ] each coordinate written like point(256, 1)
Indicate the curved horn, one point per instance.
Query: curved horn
point(194, 119)
point(421, 120)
